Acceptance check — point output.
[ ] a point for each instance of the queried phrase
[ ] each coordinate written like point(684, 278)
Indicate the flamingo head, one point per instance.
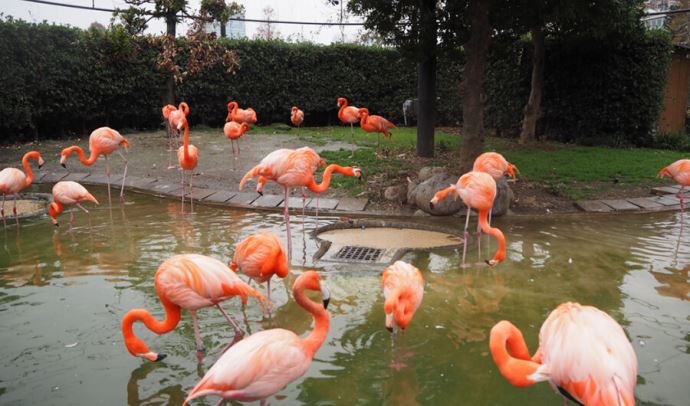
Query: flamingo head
point(341, 101)
point(138, 348)
point(64, 155)
point(245, 127)
point(41, 162)
point(512, 171)
point(53, 211)
point(664, 173)
point(356, 172)
point(311, 280)
point(398, 310)
point(181, 123)
point(293, 109)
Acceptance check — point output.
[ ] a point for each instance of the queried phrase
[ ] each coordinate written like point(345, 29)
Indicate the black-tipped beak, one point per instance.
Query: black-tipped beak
point(488, 262)
point(40, 166)
point(390, 329)
point(57, 224)
point(160, 357)
point(63, 165)
point(431, 205)
point(326, 302)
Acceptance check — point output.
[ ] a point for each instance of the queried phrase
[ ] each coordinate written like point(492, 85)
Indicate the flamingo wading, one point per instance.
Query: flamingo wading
point(102, 141)
point(264, 363)
point(680, 172)
point(13, 180)
point(260, 256)
point(68, 192)
point(188, 282)
point(583, 353)
point(403, 290)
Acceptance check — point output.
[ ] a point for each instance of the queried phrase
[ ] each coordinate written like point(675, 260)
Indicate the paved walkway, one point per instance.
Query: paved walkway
point(663, 199)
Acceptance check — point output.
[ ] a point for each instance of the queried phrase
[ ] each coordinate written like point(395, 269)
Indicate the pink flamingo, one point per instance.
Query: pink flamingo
point(102, 141)
point(403, 290)
point(173, 115)
point(233, 131)
point(478, 191)
point(68, 192)
point(680, 172)
point(240, 115)
point(188, 157)
point(375, 124)
point(188, 282)
point(583, 353)
point(260, 256)
point(264, 363)
point(296, 116)
point(295, 168)
point(13, 181)
point(348, 114)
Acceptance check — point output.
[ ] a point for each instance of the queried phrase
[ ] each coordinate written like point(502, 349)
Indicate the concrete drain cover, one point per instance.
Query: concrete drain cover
point(379, 241)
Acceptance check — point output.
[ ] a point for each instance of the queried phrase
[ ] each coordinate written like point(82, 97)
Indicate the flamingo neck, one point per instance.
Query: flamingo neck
point(364, 116)
point(510, 353)
point(134, 344)
point(484, 223)
point(342, 109)
point(82, 157)
point(326, 180)
point(185, 108)
point(321, 321)
point(55, 209)
point(27, 167)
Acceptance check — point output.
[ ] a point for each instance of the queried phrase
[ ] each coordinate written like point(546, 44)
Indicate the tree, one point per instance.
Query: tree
point(679, 24)
point(266, 30)
point(220, 12)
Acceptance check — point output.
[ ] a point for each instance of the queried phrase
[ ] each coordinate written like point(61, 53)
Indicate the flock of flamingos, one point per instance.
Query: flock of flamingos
point(583, 352)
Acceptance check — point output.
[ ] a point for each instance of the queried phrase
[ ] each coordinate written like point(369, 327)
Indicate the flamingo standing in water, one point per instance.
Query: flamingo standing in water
point(260, 256)
point(375, 124)
point(13, 181)
point(583, 353)
point(295, 168)
point(173, 115)
point(188, 157)
point(239, 115)
point(403, 290)
point(68, 192)
point(264, 363)
point(188, 282)
point(478, 191)
point(233, 131)
point(348, 114)
point(296, 116)
point(102, 141)
point(680, 172)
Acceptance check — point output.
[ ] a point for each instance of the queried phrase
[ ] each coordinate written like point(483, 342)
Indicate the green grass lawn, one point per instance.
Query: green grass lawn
point(572, 171)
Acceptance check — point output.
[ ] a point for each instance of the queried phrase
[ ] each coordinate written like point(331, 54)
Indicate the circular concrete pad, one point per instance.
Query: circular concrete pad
point(390, 238)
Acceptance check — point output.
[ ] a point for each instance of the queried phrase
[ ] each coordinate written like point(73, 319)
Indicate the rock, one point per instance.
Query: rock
point(396, 193)
point(429, 171)
point(425, 191)
point(504, 196)
point(420, 213)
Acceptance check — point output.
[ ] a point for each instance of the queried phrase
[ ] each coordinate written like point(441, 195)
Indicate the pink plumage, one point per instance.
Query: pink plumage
point(68, 193)
point(494, 164)
point(678, 171)
point(403, 290)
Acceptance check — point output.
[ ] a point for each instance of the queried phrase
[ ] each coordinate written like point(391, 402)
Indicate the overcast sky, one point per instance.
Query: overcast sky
point(297, 10)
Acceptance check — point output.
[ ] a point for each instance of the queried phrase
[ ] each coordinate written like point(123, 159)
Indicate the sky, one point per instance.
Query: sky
point(295, 10)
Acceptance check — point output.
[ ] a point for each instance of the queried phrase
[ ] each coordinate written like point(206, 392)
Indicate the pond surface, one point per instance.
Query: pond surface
point(63, 294)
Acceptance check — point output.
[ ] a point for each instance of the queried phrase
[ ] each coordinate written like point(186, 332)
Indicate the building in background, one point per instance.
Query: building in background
point(233, 29)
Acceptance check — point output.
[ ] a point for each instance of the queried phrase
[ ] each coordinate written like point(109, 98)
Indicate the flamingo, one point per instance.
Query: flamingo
point(403, 290)
point(189, 282)
point(260, 256)
point(348, 114)
point(173, 115)
point(583, 353)
point(264, 363)
point(13, 181)
point(296, 116)
point(240, 115)
point(102, 141)
point(233, 131)
point(477, 190)
point(68, 192)
point(375, 124)
point(680, 172)
point(188, 157)
point(295, 168)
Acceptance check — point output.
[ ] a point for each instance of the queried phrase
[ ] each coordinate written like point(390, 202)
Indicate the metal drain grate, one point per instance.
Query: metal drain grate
point(358, 254)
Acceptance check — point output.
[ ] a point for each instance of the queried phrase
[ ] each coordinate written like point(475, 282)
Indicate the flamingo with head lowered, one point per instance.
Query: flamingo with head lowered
point(233, 131)
point(403, 290)
point(265, 362)
point(583, 353)
point(260, 256)
point(680, 172)
point(102, 141)
point(188, 282)
point(239, 115)
point(13, 181)
point(68, 192)
point(478, 191)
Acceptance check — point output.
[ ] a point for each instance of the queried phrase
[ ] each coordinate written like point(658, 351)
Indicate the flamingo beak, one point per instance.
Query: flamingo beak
point(325, 294)
point(431, 205)
point(40, 162)
point(152, 356)
point(390, 329)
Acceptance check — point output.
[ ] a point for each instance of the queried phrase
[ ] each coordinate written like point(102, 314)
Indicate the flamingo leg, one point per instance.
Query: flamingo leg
point(2, 211)
point(14, 209)
point(182, 194)
point(466, 235)
point(170, 142)
point(107, 173)
point(488, 245)
point(679, 195)
point(220, 402)
point(191, 191)
point(268, 295)
point(317, 209)
point(82, 207)
point(352, 133)
point(71, 216)
point(304, 201)
point(230, 320)
point(479, 240)
point(238, 147)
point(124, 177)
point(197, 333)
point(287, 222)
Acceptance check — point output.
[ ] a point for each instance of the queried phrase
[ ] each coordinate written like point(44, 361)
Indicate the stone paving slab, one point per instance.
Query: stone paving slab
point(662, 190)
point(620, 205)
point(327, 204)
point(76, 176)
point(296, 202)
point(244, 198)
point(202, 193)
point(165, 188)
point(140, 183)
point(593, 206)
point(666, 200)
point(102, 179)
point(646, 203)
point(53, 177)
point(219, 197)
point(352, 204)
point(269, 201)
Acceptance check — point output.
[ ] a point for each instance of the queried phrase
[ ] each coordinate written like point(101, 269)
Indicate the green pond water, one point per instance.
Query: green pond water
point(63, 294)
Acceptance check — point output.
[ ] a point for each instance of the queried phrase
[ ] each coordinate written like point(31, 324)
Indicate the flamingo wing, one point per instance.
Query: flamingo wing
point(680, 170)
point(299, 167)
point(12, 180)
point(350, 114)
point(477, 189)
point(105, 139)
point(492, 163)
point(70, 192)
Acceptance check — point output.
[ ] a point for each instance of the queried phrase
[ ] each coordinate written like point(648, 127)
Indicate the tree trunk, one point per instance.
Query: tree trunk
point(473, 99)
point(223, 34)
point(426, 81)
point(171, 23)
point(532, 110)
